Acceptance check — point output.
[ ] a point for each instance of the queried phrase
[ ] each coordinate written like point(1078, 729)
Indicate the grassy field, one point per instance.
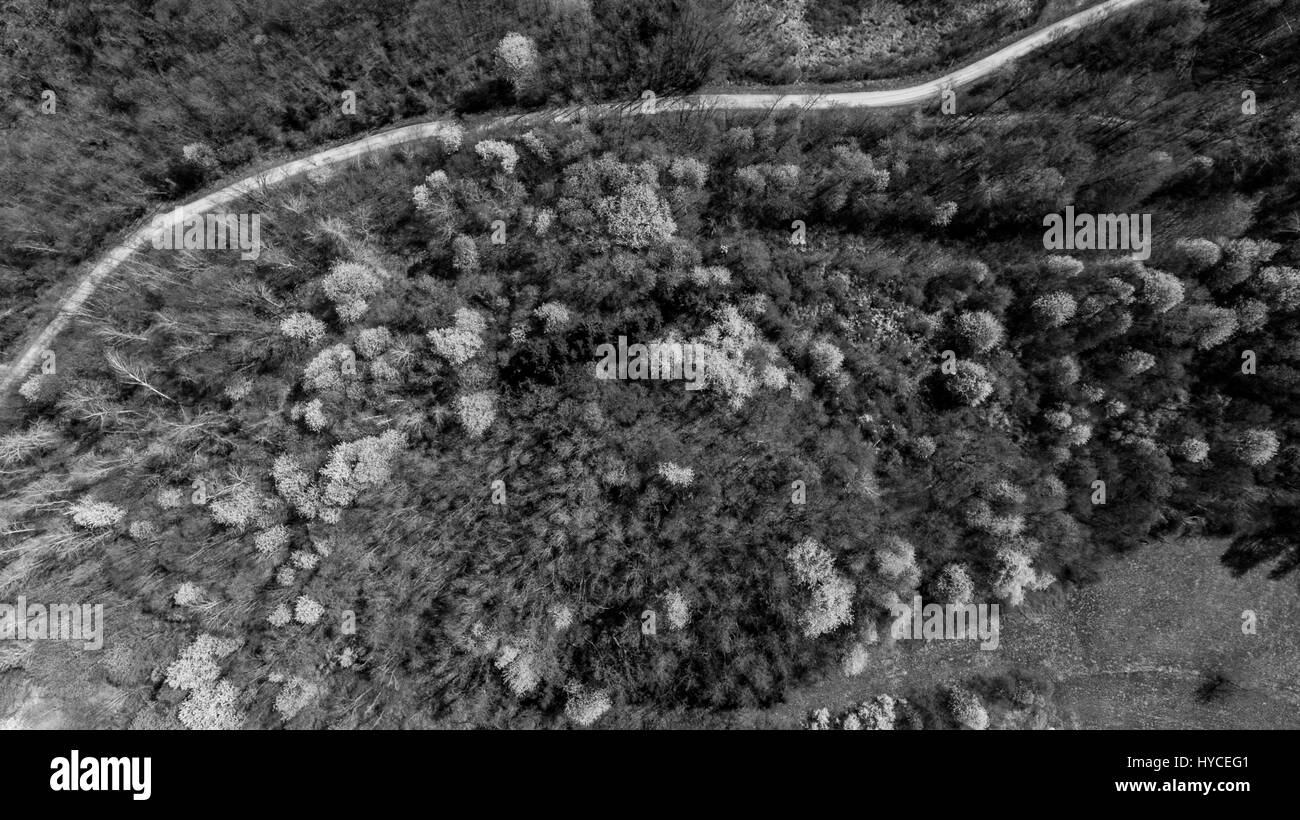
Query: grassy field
point(1129, 652)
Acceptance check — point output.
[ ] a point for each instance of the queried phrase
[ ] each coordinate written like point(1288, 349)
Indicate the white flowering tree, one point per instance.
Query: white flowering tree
point(463, 340)
point(1053, 310)
point(516, 57)
point(497, 154)
point(348, 285)
point(967, 709)
point(675, 475)
point(304, 327)
point(96, 515)
point(307, 611)
point(586, 706)
point(477, 411)
point(979, 331)
point(637, 217)
point(1014, 573)
point(831, 604)
point(212, 702)
point(1255, 447)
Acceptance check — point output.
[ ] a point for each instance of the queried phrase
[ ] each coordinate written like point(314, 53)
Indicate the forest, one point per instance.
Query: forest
point(112, 107)
point(370, 478)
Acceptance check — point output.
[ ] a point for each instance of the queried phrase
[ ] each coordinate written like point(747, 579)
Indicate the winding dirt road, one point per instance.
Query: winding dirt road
point(929, 91)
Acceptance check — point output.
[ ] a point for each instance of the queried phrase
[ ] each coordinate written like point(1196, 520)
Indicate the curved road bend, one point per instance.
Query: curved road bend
point(922, 92)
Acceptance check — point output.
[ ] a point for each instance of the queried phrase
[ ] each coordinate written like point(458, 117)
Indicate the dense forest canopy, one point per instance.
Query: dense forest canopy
point(370, 478)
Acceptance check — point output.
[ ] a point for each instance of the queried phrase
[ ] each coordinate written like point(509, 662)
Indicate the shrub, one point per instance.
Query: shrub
point(1199, 254)
point(477, 411)
point(896, 560)
point(1280, 286)
point(269, 542)
point(751, 179)
point(328, 369)
point(1160, 291)
point(943, 213)
point(832, 595)
point(1067, 266)
point(675, 475)
point(197, 665)
point(1193, 450)
point(188, 595)
point(449, 137)
point(464, 254)
point(516, 55)
point(954, 584)
point(211, 708)
point(348, 285)
point(729, 347)
point(96, 514)
point(1014, 573)
point(357, 465)
point(561, 616)
point(711, 275)
point(295, 486)
point(554, 315)
point(1242, 255)
point(312, 414)
point(1255, 447)
point(238, 507)
point(200, 154)
point(238, 389)
point(460, 343)
point(979, 331)
point(679, 609)
point(826, 359)
point(373, 341)
point(855, 661)
point(1211, 325)
point(294, 696)
point(1136, 361)
point(496, 152)
point(969, 385)
point(966, 708)
point(303, 326)
point(1053, 310)
point(307, 611)
point(638, 217)
point(143, 531)
point(688, 171)
point(542, 221)
point(586, 706)
point(304, 560)
point(280, 616)
point(520, 666)
point(534, 143)
point(37, 388)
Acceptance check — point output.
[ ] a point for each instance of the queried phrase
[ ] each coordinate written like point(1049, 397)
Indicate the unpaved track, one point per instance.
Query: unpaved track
point(929, 91)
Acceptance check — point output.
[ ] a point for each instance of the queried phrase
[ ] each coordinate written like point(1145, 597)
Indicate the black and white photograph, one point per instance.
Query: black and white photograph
point(387, 372)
